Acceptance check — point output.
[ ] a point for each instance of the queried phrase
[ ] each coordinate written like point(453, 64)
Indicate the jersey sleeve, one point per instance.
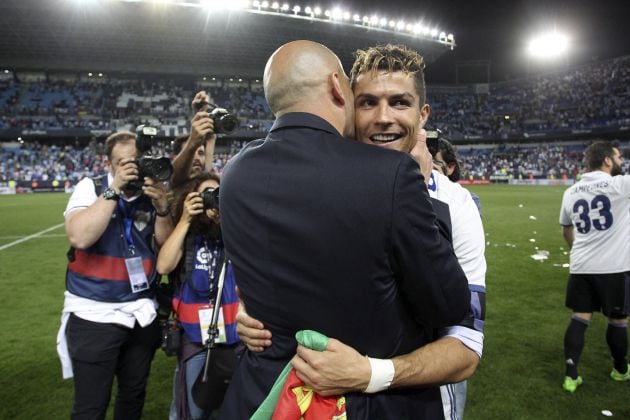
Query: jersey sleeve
point(83, 196)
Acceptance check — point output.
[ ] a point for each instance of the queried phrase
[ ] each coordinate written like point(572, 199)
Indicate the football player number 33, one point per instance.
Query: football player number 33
point(602, 221)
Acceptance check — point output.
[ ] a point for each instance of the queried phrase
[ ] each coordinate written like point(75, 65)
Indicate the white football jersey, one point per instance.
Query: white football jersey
point(598, 207)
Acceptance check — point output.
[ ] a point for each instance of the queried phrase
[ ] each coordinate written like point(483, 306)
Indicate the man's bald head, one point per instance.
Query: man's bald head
point(298, 72)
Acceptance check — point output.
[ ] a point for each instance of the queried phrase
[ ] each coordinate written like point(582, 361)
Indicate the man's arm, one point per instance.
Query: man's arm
point(341, 369)
point(202, 126)
point(432, 281)
point(156, 191)
point(568, 234)
point(85, 226)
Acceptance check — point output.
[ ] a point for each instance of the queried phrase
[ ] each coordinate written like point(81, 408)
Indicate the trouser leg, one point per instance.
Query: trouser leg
point(134, 365)
point(93, 348)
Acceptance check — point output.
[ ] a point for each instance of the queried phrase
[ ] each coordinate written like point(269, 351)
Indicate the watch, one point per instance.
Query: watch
point(110, 194)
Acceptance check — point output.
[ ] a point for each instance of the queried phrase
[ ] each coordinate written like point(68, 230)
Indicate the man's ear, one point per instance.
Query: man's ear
point(425, 111)
point(336, 90)
point(608, 162)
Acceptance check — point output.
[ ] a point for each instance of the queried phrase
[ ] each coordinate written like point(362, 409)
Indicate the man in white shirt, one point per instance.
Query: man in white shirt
point(595, 219)
point(109, 326)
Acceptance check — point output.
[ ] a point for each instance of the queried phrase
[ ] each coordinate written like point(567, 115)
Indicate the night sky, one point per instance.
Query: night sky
point(499, 30)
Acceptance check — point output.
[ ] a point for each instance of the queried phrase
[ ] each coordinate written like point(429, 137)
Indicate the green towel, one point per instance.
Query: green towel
point(307, 338)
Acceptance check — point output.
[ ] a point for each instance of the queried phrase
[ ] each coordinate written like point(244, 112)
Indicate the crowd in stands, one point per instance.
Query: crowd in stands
point(591, 96)
point(586, 97)
point(43, 162)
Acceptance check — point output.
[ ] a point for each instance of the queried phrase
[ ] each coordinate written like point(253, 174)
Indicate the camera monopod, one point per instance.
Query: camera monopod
point(213, 330)
point(205, 392)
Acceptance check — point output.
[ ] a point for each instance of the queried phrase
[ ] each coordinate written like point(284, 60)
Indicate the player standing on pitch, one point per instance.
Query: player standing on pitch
point(595, 217)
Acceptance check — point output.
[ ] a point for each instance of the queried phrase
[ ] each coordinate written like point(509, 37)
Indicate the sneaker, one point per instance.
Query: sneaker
point(570, 384)
point(620, 376)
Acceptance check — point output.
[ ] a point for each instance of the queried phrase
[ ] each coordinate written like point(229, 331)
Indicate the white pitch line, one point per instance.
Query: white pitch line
point(29, 237)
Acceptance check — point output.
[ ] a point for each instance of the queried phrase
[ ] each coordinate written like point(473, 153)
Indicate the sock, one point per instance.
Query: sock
point(573, 345)
point(617, 339)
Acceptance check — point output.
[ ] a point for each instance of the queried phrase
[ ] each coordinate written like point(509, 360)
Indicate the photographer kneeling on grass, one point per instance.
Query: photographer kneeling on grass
point(109, 326)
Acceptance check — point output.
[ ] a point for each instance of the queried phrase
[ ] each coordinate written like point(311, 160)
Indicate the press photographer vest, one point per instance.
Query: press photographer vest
point(99, 272)
point(192, 294)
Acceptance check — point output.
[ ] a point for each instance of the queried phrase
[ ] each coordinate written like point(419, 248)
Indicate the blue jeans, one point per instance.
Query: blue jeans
point(193, 366)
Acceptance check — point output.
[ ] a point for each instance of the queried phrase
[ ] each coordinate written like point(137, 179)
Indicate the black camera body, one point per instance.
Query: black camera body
point(224, 122)
point(210, 197)
point(158, 168)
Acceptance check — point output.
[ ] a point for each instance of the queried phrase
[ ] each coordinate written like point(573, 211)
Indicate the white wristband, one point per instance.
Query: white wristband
point(382, 375)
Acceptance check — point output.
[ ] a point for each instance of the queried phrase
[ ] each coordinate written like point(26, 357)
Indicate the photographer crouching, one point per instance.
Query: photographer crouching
point(195, 256)
point(109, 326)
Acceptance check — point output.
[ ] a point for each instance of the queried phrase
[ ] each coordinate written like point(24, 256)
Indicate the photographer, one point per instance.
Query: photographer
point(194, 254)
point(196, 153)
point(109, 325)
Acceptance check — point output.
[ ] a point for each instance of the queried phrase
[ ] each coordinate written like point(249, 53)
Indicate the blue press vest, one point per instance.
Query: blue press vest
point(99, 272)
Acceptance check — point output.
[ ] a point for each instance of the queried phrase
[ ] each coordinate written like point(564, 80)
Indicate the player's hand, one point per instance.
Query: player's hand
point(337, 370)
point(201, 129)
point(126, 171)
point(156, 191)
point(251, 331)
point(421, 154)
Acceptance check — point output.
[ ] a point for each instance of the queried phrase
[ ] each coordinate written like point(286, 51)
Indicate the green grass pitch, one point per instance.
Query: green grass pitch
point(519, 377)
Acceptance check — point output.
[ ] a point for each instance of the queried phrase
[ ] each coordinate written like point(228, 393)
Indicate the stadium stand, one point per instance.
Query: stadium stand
point(535, 128)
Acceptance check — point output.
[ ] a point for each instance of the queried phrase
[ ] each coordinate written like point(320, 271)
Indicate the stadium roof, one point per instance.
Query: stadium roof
point(155, 37)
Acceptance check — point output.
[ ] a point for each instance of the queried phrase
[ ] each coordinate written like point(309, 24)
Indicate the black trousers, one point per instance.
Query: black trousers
point(101, 351)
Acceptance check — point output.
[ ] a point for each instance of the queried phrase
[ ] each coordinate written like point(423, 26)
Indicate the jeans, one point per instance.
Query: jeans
point(193, 367)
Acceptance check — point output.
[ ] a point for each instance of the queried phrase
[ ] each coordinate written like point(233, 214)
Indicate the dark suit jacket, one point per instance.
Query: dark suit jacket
point(332, 235)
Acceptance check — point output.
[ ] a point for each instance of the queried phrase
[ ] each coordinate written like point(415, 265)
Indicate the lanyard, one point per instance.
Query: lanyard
point(128, 222)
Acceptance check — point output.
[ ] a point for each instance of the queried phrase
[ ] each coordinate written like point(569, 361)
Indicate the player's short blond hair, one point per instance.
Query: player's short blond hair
point(391, 58)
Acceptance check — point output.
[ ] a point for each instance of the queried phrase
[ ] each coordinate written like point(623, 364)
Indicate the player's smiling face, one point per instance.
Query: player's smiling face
point(387, 110)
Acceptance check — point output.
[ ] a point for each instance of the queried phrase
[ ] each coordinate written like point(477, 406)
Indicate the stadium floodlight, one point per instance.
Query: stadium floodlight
point(450, 37)
point(337, 13)
point(434, 32)
point(383, 22)
point(374, 20)
point(347, 15)
point(327, 13)
point(275, 5)
point(256, 3)
point(308, 10)
point(426, 30)
point(392, 24)
point(296, 9)
point(100, 75)
point(264, 4)
point(366, 19)
point(400, 25)
point(285, 7)
point(417, 28)
point(317, 11)
point(548, 45)
point(409, 27)
point(356, 17)
point(442, 35)
point(90, 74)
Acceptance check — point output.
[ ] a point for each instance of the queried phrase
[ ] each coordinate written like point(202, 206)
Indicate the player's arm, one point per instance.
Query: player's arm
point(568, 233)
